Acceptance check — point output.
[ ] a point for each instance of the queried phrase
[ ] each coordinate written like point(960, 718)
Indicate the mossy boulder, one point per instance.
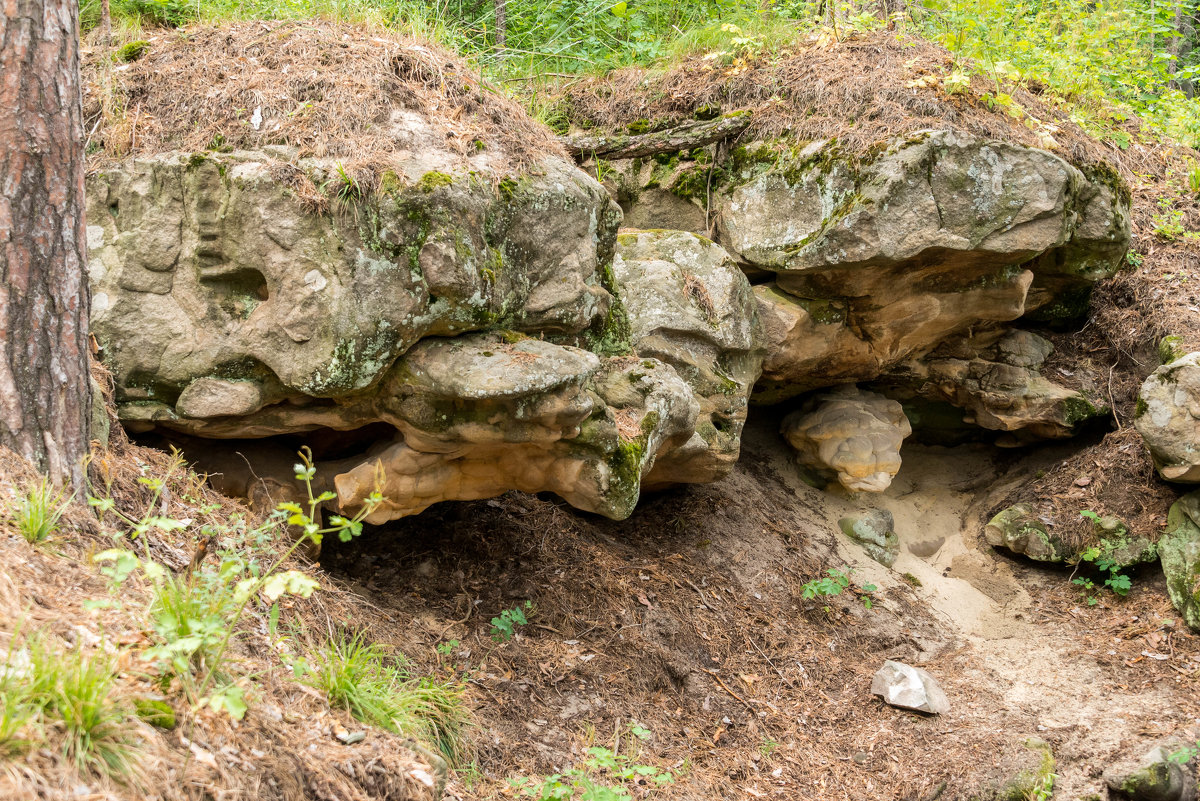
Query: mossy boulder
point(1119, 546)
point(874, 530)
point(1155, 777)
point(1018, 529)
point(211, 266)
point(1179, 552)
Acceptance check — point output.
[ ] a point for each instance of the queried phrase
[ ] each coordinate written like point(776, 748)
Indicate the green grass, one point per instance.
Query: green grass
point(39, 510)
point(378, 687)
point(47, 694)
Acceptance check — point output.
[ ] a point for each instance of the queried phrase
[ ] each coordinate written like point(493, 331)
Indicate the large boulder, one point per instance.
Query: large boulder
point(464, 336)
point(849, 435)
point(878, 259)
point(691, 307)
point(1168, 418)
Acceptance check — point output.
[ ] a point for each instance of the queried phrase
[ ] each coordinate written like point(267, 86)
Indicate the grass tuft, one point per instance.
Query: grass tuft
point(377, 687)
point(38, 512)
point(43, 689)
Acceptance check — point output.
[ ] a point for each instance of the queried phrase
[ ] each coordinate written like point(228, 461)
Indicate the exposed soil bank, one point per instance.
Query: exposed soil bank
point(688, 619)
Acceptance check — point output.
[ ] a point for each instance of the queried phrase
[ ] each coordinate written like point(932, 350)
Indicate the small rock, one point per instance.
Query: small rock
point(909, 687)
point(347, 737)
point(874, 530)
point(1154, 778)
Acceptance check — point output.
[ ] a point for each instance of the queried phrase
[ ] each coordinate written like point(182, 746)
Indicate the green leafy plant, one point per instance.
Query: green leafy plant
point(1186, 754)
point(1102, 557)
point(39, 510)
point(379, 688)
point(603, 776)
point(195, 616)
point(1168, 222)
point(834, 583)
point(1087, 590)
point(504, 625)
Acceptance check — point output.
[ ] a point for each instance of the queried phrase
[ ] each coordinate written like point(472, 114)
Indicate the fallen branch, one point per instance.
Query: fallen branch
point(683, 137)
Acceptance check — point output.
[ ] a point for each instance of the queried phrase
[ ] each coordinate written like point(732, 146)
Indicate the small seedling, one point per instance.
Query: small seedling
point(39, 511)
point(833, 584)
point(603, 776)
point(504, 625)
point(1102, 557)
point(1087, 590)
point(1186, 754)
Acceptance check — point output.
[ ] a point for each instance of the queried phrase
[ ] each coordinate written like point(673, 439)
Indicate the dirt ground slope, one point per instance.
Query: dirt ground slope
point(688, 620)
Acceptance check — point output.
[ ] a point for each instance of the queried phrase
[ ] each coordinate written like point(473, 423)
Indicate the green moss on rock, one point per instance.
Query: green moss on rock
point(433, 180)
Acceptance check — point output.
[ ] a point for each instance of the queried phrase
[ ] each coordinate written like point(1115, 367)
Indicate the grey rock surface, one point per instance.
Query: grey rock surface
point(909, 687)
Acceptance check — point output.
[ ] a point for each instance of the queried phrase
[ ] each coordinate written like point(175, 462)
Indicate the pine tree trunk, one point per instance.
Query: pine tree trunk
point(105, 23)
point(45, 397)
point(501, 24)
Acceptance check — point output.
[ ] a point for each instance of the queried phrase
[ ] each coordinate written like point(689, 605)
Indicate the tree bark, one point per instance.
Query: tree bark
point(105, 23)
point(501, 24)
point(45, 396)
point(685, 137)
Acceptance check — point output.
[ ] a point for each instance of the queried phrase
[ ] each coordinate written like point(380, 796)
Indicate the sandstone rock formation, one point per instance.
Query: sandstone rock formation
point(1168, 418)
point(467, 337)
point(878, 258)
point(210, 267)
point(478, 416)
point(996, 378)
point(849, 435)
point(690, 307)
point(475, 333)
